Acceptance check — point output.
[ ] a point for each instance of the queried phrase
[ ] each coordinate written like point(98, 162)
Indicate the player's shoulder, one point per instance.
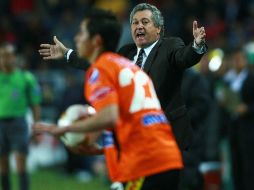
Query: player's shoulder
point(26, 75)
point(110, 60)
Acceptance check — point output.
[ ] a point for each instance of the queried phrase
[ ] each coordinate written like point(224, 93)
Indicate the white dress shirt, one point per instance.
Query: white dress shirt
point(145, 55)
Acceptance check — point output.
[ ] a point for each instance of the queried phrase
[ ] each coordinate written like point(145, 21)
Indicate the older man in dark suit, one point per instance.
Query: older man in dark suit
point(164, 59)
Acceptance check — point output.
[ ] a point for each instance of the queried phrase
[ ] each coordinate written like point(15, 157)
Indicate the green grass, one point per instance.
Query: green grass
point(49, 179)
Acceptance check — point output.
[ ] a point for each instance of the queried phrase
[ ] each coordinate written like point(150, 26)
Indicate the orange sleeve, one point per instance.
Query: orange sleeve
point(100, 90)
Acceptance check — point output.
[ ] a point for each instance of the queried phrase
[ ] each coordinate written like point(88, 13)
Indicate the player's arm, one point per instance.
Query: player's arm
point(84, 149)
point(106, 118)
point(36, 109)
point(33, 95)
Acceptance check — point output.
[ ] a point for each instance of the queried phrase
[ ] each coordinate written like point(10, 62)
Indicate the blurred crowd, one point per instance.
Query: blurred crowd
point(223, 79)
point(27, 23)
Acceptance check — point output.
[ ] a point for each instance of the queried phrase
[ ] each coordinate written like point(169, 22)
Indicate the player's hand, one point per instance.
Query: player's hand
point(86, 149)
point(198, 33)
point(52, 129)
point(53, 51)
point(89, 146)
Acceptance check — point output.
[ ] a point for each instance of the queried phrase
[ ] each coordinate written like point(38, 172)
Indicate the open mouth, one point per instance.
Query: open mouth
point(140, 35)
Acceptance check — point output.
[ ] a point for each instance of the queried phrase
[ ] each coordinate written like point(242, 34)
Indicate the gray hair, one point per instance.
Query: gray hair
point(157, 17)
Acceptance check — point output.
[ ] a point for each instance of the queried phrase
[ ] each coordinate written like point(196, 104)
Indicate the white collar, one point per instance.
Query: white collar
point(148, 49)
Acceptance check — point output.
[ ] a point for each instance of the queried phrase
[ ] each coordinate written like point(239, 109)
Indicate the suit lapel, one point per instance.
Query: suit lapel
point(151, 56)
point(132, 53)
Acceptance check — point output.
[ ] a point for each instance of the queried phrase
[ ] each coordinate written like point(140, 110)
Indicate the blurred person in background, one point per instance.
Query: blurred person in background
point(127, 109)
point(195, 90)
point(240, 82)
point(19, 91)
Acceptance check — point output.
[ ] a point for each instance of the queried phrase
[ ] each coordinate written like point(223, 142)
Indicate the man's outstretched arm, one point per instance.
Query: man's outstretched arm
point(58, 51)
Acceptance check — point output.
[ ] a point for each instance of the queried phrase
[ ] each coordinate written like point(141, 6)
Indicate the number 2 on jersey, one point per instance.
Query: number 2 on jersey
point(144, 96)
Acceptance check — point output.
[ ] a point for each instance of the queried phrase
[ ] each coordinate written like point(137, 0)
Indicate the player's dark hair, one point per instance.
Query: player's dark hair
point(105, 24)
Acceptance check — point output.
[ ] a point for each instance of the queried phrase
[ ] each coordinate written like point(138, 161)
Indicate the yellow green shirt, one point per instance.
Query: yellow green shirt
point(18, 90)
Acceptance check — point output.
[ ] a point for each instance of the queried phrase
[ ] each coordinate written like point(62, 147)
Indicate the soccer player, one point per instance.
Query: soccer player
point(139, 146)
point(19, 91)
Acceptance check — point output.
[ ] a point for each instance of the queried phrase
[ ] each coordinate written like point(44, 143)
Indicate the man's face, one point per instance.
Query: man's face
point(143, 30)
point(7, 58)
point(83, 41)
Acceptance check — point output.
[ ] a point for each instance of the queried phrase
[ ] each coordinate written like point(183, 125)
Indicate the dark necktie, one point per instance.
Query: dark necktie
point(140, 58)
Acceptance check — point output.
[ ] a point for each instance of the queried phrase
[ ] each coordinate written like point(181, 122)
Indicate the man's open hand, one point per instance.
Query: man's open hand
point(53, 51)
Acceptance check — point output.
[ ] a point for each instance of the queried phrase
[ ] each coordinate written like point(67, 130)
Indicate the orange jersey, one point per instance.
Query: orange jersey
point(144, 144)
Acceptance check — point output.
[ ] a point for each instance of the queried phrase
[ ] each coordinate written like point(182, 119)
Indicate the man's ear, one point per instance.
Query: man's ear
point(97, 40)
point(159, 30)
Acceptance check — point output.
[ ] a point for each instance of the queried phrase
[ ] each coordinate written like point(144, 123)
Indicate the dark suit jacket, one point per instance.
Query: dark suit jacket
point(165, 65)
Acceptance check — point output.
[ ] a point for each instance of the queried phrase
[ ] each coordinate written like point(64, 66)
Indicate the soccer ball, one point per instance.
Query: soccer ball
point(73, 114)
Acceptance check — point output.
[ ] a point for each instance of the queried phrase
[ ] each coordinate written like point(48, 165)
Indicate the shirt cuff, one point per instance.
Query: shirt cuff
point(67, 54)
point(199, 49)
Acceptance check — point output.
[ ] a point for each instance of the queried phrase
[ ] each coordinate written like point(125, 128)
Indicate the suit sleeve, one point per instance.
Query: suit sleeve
point(185, 56)
point(78, 63)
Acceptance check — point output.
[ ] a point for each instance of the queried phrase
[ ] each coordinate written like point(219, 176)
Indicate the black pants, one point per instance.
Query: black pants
point(167, 180)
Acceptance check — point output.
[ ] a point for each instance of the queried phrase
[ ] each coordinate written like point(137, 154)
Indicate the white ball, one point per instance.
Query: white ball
point(72, 114)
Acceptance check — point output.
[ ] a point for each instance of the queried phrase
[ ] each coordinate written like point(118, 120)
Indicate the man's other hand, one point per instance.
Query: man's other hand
point(198, 34)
